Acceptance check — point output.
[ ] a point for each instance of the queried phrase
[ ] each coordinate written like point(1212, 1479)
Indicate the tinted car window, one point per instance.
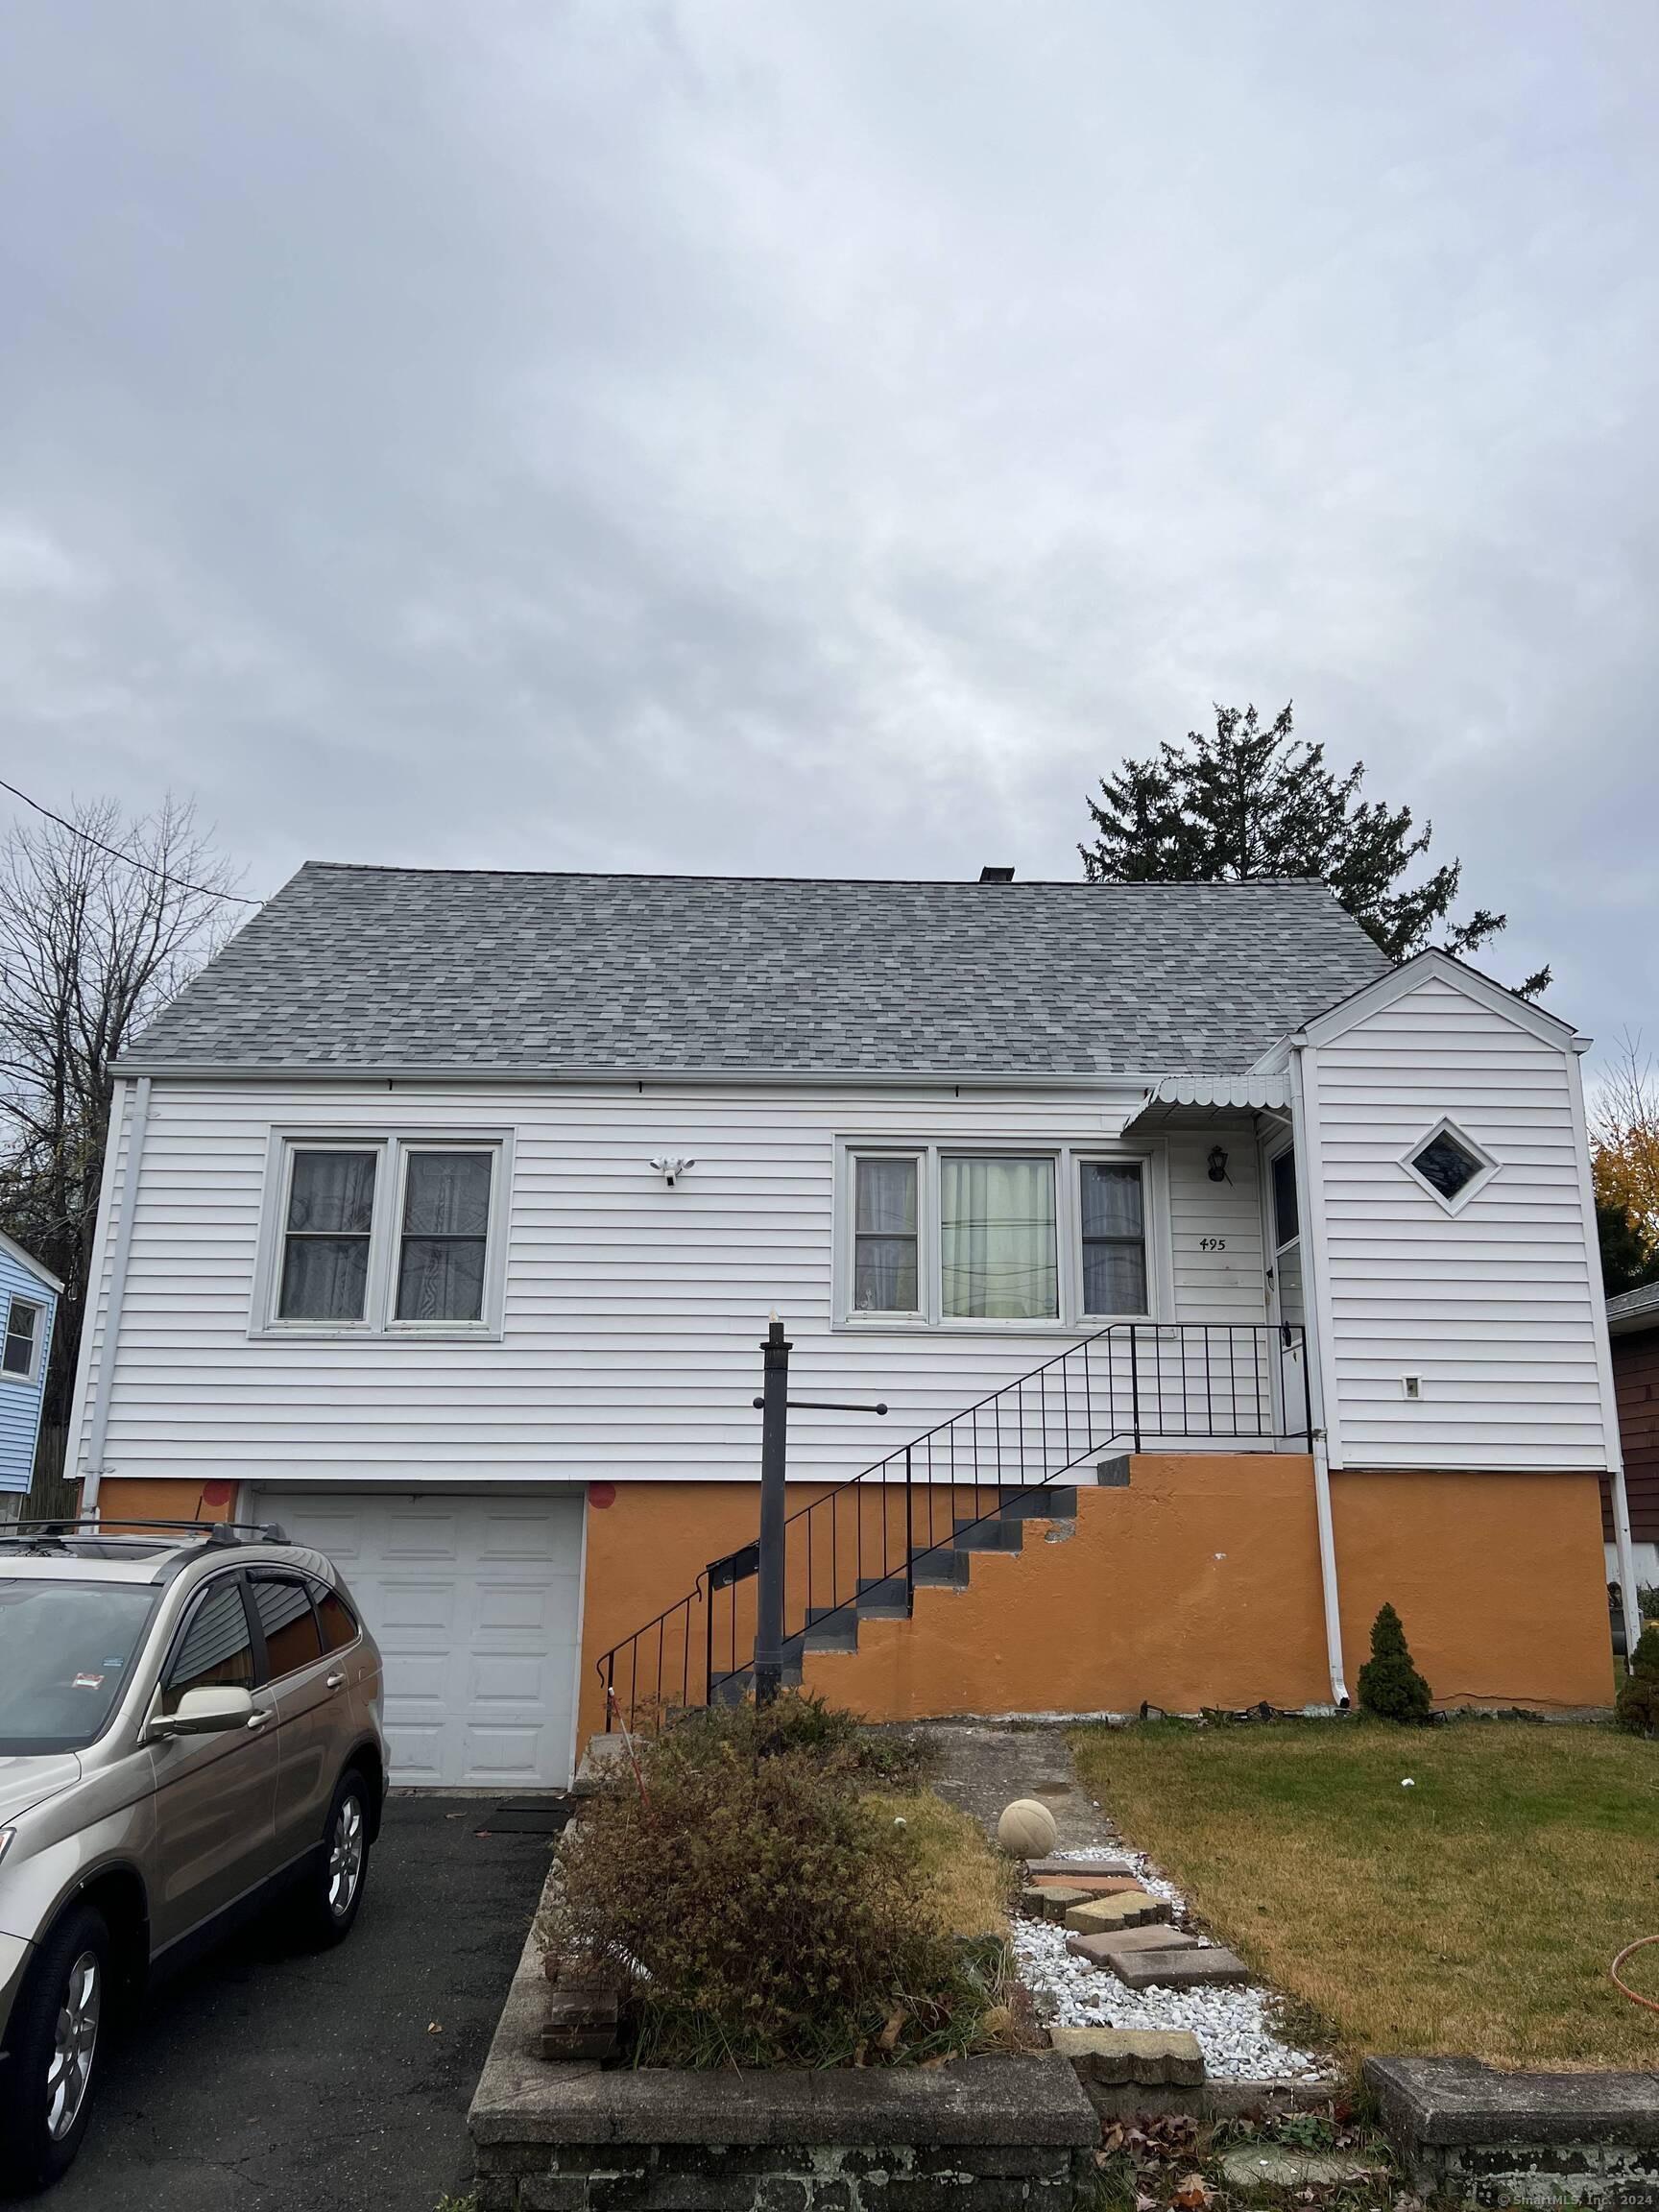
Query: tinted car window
point(66, 1653)
point(339, 1624)
point(283, 1603)
point(217, 1650)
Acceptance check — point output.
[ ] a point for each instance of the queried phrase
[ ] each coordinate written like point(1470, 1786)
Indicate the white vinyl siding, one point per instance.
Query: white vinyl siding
point(631, 1314)
point(1491, 1305)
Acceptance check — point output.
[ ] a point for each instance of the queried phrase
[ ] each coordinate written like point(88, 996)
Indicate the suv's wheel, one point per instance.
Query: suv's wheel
point(333, 1890)
point(47, 2081)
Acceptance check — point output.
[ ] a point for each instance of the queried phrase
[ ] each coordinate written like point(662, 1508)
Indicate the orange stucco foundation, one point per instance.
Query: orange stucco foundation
point(1197, 1585)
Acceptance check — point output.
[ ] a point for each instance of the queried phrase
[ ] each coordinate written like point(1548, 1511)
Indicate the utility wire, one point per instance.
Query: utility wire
point(114, 851)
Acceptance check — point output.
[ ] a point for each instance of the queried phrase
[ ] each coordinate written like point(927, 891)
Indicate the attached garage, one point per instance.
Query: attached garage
point(476, 1603)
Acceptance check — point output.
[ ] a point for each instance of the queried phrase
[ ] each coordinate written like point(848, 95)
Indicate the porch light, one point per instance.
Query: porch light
point(1217, 1163)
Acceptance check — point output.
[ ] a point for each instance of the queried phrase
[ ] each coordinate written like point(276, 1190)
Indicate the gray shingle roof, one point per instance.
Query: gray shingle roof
point(406, 968)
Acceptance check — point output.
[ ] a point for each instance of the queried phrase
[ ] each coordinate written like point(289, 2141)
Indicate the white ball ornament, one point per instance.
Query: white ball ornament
point(1026, 1829)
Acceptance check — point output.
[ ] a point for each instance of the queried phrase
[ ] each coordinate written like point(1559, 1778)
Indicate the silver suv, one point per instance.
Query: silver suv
point(189, 1723)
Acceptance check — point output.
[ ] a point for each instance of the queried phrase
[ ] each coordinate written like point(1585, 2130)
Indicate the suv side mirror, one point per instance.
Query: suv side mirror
point(206, 1712)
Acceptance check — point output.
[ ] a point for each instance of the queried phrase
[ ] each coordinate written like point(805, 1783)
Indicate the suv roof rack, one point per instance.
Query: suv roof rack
point(72, 1525)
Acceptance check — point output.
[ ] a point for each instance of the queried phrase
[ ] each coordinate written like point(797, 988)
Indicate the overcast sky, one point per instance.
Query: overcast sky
point(822, 436)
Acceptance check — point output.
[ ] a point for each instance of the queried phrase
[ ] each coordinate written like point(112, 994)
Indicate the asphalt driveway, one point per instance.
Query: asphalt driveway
point(328, 2081)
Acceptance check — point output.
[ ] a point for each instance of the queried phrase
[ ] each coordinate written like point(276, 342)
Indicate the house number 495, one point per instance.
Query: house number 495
point(1212, 1244)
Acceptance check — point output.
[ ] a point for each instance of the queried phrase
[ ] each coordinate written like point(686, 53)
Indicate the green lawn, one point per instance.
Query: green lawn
point(1476, 1911)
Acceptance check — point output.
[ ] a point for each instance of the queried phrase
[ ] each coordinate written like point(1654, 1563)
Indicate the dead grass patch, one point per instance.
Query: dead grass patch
point(970, 1885)
point(1476, 1911)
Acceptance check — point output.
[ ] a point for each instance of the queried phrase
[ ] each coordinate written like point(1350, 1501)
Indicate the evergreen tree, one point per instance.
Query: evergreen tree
point(1637, 1706)
point(1627, 1260)
point(1389, 1684)
point(1253, 802)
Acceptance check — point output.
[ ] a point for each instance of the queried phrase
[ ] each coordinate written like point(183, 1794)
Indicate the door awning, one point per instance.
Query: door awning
point(1192, 1094)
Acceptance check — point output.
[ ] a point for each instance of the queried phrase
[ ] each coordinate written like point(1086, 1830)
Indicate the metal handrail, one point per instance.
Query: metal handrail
point(1144, 1413)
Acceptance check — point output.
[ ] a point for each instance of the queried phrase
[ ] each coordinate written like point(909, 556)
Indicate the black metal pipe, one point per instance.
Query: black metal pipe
point(774, 1450)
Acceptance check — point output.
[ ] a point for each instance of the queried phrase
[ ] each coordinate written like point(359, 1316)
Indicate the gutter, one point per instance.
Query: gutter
point(1312, 1272)
point(98, 1426)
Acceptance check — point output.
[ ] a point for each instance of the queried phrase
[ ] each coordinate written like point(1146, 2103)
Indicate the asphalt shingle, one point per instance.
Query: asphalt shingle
point(405, 968)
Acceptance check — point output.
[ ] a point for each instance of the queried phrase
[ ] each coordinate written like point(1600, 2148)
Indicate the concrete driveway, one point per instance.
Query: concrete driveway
point(316, 2081)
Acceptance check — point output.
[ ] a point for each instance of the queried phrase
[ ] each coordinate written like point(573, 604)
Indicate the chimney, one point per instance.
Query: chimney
point(995, 875)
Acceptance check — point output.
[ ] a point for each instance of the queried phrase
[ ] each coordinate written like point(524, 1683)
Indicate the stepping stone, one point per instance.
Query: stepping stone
point(1160, 1936)
point(1205, 1967)
point(1275, 2166)
point(1146, 2056)
point(1088, 1884)
point(1053, 1904)
point(1102, 1915)
point(1066, 1868)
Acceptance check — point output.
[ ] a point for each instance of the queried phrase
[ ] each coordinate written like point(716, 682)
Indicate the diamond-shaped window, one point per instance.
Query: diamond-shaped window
point(1449, 1163)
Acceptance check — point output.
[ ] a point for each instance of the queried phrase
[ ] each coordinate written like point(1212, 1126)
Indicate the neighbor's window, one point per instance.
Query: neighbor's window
point(445, 1233)
point(326, 1234)
point(997, 1233)
point(886, 1278)
point(22, 1337)
point(1114, 1234)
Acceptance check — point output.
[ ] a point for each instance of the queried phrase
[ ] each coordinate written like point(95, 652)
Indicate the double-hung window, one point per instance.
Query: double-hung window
point(944, 1235)
point(397, 1234)
point(24, 1329)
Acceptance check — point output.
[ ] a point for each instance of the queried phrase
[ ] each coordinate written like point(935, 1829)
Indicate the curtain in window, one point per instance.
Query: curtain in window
point(1114, 1237)
point(884, 1237)
point(997, 1232)
point(326, 1252)
point(446, 1231)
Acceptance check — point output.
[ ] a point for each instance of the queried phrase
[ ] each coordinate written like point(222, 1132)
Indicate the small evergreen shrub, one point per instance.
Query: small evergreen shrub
point(1389, 1684)
point(1637, 1705)
point(765, 1910)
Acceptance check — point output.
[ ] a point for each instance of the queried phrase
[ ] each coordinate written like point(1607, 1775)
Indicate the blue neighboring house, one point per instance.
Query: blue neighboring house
point(29, 1307)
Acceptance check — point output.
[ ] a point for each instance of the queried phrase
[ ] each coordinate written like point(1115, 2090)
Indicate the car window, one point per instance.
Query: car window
point(283, 1605)
point(339, 1622)
point(67, 1651)
point(216, 1651)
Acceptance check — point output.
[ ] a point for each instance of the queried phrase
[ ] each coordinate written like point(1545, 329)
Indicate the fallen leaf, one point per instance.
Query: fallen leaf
point(890, 2034)
point(1193, 2195)
point(433, 2029)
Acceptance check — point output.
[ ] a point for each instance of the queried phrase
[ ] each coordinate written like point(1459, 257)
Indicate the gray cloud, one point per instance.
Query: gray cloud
point(822, 439)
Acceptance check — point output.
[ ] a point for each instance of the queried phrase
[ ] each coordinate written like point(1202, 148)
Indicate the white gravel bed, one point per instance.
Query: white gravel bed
point(1231, 2023)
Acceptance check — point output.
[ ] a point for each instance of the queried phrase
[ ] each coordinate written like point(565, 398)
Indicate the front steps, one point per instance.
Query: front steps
point(946, 1565)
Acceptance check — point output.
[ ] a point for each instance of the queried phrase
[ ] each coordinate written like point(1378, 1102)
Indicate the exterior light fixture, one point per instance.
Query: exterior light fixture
point(670, 1166)
point(1218, 1164)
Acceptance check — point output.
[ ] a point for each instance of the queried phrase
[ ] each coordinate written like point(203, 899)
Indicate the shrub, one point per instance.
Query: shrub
point(1637, 1705)
point(797, 1720)
point(768, 1913)
point(1389, 1684)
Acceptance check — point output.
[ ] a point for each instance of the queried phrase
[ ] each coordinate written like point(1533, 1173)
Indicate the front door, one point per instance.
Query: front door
point(215, 1795)
point(1287, 1300)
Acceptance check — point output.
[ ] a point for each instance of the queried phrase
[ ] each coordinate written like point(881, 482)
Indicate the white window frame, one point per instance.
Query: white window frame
point(40, 1310)
point(391, 1148)
point(1068, 1157)
point(1477, 1183)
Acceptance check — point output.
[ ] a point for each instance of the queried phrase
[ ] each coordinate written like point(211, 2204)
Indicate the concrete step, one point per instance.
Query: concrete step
point(830, 1628)
point(1051, 1502)
point(989, 1536)
point(883, 1598)
point(941, 1568)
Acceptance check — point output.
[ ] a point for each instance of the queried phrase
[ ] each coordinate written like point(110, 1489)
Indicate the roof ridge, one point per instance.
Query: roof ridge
point(871, 882)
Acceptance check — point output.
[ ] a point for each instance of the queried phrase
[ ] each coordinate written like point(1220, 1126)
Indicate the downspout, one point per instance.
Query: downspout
point(1314, 1351)
point(98, 1423)
point(1628, 1599)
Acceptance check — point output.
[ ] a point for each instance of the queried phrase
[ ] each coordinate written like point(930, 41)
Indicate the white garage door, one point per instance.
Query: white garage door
point(474, 1603)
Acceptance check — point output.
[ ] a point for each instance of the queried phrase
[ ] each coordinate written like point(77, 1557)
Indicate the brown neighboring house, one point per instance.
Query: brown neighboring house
point(1633, 1329)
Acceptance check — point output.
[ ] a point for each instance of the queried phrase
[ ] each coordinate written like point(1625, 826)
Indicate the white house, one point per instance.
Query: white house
point(445, 1212)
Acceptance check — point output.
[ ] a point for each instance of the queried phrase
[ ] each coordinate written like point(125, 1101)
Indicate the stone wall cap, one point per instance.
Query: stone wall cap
point(991, 2099)
point(1454, 2101)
